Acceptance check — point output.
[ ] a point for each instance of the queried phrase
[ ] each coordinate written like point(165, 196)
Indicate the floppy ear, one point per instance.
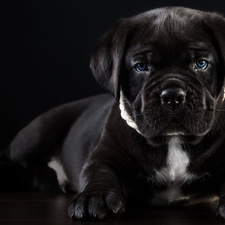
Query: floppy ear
point(217, 25)
point(107, 59)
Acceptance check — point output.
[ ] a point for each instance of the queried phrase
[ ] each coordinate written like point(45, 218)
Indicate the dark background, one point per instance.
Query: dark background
point(45, 50)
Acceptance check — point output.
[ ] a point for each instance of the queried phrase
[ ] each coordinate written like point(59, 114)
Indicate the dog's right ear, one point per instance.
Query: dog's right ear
point(107, 58)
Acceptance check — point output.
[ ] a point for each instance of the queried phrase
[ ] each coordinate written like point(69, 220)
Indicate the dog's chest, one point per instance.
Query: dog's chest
point(173, 175)
point(176, 164)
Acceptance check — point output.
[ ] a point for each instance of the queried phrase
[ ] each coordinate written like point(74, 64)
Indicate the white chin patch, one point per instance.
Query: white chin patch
point(125, 115)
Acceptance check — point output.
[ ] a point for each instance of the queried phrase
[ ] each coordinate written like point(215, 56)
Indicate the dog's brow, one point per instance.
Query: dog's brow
point(138, 50)
point(142, 52)
point(200, 46)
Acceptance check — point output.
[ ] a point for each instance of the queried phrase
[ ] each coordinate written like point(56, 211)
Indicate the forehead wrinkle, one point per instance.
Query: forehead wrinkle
point(201, 45)
point(135, 51)
point(173, 25)
point(179, 22)
point(204, 48)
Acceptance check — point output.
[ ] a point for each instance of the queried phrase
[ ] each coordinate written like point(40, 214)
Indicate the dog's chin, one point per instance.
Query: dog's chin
point(165, 135)
point(159, 132)
point(164, 139)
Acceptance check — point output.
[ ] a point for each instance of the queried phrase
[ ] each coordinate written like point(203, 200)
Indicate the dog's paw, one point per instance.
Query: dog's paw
point(96, 205)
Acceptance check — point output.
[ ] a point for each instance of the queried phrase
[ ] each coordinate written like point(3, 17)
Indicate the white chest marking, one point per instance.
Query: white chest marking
point(175, 170)
point(174, 174)
point(60, 173)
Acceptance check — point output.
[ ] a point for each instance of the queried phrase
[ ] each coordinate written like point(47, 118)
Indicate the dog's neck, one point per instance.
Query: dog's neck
point(124, 114)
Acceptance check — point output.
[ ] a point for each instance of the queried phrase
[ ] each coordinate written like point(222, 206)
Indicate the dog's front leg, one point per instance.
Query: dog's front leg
point(101, 194)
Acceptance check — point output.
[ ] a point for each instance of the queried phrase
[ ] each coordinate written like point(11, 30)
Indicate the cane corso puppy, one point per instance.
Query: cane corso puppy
point(158, 138)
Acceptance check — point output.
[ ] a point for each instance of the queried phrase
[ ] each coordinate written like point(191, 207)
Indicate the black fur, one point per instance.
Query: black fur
point(108, 163)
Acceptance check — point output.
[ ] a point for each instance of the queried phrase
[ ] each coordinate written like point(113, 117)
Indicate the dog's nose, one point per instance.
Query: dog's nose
point(172, 97)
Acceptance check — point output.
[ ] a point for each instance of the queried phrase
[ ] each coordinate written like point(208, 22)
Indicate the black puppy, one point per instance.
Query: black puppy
point(161, 140)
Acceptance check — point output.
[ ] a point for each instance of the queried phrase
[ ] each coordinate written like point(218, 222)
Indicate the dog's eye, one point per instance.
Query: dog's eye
point(201, 64)
point(140, 67)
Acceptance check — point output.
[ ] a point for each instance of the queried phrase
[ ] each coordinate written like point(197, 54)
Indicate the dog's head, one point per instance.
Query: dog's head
point(166, 68)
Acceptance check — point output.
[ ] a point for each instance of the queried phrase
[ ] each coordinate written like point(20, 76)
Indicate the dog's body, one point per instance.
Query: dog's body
point(162, 140)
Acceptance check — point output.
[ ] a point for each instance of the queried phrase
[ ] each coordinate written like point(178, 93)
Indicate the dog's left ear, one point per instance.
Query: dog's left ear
point(217, 27)
point(107, 59)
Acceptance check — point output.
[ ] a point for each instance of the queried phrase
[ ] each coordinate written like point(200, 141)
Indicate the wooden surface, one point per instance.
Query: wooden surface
point(34, 208)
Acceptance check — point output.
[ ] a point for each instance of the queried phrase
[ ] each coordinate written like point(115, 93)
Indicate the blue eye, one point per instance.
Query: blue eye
point(201, 64)
point(140, 67)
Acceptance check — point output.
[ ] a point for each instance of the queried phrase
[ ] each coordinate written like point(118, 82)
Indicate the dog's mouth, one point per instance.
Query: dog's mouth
point(175, 128)
point(191, 126)
point(171, 112)
point(159, 133)
point(192, 131)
